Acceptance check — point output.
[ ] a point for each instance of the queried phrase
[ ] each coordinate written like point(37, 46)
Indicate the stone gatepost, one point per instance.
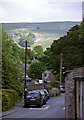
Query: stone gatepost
point(74, 93)
point(69, 96)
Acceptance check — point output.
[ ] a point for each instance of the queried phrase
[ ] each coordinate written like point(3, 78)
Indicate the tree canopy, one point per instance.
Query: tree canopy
point(12, 69)
point(30, 39)
point(36, 69)
point(71, 46)
point(38, 51)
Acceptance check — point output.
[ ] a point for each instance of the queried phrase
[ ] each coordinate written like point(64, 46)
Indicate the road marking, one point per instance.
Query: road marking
point(64, 108)
point(47, 107)
point(39, 108)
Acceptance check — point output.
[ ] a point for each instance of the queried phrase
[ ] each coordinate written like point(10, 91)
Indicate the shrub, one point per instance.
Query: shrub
point(9, 98)
point(53, 92)
point(54, 83)
point(48, 87)
point(6, 102)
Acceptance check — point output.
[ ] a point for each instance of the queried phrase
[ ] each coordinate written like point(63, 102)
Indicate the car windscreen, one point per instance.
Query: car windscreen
point(34, 95)
point(46, 91)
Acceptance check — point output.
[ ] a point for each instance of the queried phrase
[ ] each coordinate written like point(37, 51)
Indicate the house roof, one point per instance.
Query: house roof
point(47, 71)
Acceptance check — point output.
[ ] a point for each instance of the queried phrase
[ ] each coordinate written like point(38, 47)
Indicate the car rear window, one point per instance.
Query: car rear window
point(34, 95)
point(42, 92)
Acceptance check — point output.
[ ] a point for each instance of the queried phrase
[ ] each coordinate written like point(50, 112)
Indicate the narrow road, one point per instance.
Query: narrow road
point(54, 108)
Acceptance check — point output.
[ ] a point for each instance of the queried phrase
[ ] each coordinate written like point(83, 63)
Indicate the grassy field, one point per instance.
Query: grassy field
point(44, 33)
point(45, 40)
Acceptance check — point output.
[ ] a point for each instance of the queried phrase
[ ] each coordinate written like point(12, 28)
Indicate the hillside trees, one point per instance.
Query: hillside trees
point(30, 39)
point(71, 46)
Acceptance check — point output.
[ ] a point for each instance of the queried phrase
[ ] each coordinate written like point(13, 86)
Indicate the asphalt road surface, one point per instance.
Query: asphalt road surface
point(54, 108)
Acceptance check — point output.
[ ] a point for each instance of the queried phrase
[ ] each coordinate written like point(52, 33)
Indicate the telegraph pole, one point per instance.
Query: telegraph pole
point(60, 71)
point(25, 68)
point(25, 59)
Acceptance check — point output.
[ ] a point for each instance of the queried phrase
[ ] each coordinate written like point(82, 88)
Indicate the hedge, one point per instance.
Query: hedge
point(9, 98)
point(53, 92)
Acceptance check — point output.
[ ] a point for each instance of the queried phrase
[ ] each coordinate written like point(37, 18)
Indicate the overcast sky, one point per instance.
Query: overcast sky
point(40, 10)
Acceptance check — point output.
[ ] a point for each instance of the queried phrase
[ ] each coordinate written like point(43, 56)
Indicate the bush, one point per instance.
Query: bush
point(53, 92)
point(48, 87)
point(6, 102)
point(9, 98)
point(54, 83)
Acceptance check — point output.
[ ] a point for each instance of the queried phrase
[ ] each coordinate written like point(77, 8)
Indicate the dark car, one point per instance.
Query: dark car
point(62, 89)
point(48, 95)
point(33, 98)
point(44, 95)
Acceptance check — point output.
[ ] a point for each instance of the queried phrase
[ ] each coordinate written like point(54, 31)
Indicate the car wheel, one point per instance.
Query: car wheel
point(26, 106)
point(40, 105)
point(44, 102)
point(48, 97)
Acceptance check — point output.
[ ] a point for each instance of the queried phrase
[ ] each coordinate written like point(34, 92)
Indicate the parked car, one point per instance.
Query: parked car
point(44, 95)
point(48, 95)
point(62, 89)
point(33, 98)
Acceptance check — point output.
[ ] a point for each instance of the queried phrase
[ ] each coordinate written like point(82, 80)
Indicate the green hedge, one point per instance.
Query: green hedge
point(54, 83)
point(53, 92)
point(9, 98)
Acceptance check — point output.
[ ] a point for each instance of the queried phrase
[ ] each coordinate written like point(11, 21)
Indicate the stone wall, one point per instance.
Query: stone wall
point(83, 101)
point(69, 96)
point(74, 93)
point(35, 87)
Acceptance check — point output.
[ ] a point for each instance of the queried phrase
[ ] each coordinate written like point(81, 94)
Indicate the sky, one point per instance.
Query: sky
point(40, 10)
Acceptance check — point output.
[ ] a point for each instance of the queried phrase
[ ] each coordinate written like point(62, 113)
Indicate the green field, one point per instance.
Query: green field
point(44, 33)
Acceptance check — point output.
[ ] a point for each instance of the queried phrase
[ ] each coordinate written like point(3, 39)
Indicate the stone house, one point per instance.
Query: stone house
point(47, 76)
point(74, 93)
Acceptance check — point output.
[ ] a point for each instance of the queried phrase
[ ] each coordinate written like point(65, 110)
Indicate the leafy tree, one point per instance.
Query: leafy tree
point(38, 51)
point(12, 69)
point(30, 54)
point(30, 39)
point(71, 46)
point(36, 69)
point(54, 83)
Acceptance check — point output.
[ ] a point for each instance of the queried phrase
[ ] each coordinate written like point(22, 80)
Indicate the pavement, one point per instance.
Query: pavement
point(14, 109)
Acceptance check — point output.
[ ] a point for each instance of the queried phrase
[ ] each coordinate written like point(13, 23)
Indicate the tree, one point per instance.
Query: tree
point(36, 70)
point(71, 46)
point(38, 51)
point(30, 39)
point(12, 70)
point(54, 83)
point(30, 54)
